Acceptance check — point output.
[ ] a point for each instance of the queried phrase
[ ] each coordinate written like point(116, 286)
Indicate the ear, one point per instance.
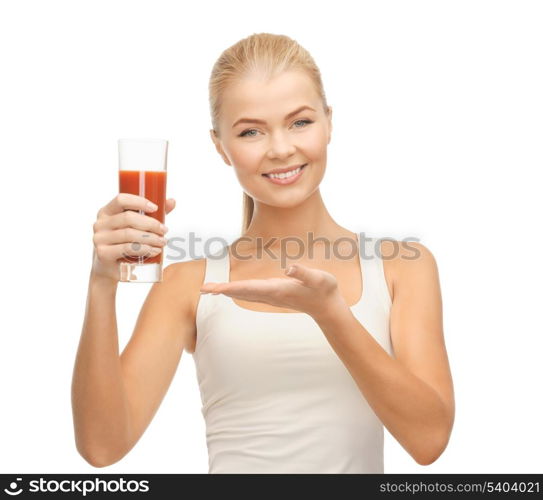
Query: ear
point(329, 115)
point(218, 146)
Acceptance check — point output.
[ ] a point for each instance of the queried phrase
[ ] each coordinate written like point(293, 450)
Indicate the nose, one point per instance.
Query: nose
point(280, 146)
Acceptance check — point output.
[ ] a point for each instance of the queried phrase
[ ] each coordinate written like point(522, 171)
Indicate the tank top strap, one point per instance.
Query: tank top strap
point(217, 265)
point(215, 272)
point(374, 281)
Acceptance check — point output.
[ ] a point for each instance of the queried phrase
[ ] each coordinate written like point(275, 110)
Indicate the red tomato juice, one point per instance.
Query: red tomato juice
point(150, 185)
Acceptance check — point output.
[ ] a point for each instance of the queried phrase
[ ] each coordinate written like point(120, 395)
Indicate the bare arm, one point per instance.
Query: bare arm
point(114, 397)
point(164, 329)
point(412, 394)
point(99, 404)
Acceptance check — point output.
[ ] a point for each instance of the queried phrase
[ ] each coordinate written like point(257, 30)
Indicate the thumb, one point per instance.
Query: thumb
point(170, 205)
point(302, 273)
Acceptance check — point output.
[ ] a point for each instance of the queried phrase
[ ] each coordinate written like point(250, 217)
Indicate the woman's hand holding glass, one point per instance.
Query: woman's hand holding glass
point(121, 231)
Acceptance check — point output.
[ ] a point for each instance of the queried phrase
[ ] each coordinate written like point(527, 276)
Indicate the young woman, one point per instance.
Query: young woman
point(303, 352)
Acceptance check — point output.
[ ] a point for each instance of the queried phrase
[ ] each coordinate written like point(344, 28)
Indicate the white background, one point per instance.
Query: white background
point(437, 136)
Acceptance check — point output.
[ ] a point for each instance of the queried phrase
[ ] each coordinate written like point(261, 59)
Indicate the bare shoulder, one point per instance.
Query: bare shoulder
point(186, 278)
point(402, 259)
point(413, 258)
point(183, 280)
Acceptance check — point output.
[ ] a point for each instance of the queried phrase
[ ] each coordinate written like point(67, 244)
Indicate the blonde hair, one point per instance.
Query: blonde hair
point(264, 54)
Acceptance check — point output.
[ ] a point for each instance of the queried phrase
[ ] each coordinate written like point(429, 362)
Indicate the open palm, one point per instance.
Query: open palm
point(305, 289)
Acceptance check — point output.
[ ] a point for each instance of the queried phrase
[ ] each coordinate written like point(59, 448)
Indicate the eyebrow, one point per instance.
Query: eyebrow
point(254, 120)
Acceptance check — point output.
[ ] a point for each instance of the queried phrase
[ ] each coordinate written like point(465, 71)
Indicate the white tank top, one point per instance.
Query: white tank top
point(276, 398)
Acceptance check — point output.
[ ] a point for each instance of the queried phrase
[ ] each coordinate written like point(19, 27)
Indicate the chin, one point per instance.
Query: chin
point(288, 199)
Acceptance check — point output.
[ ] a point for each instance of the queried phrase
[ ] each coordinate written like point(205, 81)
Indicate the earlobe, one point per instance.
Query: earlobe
point(213, 136)
point(218, 147)
point(329, 124)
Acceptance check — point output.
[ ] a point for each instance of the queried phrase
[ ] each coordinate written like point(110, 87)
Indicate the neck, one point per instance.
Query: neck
point(311, 216)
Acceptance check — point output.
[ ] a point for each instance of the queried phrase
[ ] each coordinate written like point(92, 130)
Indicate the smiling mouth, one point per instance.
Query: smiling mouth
point(286, 180)
point(291, 173)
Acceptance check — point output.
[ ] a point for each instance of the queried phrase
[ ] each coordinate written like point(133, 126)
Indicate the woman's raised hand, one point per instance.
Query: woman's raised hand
point(121, 231)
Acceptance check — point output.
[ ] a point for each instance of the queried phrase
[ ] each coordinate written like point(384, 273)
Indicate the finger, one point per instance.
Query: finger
point(253, 288)
point(239, 286)
point(310, 277)
point(122, 250)
point(208, 287)
point(248, 290)
point(133, 220)
point(129, 235)
point(170, 205)
point(128, 201)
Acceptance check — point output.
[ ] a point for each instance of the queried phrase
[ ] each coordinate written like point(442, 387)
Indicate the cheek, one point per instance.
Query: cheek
point(246, 158)
point(314, 145)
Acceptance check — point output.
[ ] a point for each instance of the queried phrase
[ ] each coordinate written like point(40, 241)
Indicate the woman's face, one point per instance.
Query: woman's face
point(262, 127)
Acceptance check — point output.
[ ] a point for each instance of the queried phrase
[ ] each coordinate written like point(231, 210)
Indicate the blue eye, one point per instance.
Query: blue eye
point(248, 134)
point(307, 122)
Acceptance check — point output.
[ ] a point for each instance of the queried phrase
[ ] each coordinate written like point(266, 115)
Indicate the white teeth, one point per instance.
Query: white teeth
point(285, 175)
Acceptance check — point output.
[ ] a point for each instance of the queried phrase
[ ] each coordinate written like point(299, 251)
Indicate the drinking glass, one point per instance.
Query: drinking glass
point(142, 171)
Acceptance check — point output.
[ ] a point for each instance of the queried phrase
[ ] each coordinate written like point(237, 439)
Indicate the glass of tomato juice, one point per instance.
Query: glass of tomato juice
point(142, 171)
